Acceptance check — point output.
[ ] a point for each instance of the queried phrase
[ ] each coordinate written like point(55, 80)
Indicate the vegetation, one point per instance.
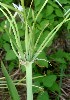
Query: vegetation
point(26, 34)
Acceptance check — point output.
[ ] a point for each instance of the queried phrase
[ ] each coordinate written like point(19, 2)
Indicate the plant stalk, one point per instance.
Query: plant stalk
point(29, 80)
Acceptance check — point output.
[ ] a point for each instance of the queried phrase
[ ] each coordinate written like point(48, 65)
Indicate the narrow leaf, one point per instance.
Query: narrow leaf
point(11, 86)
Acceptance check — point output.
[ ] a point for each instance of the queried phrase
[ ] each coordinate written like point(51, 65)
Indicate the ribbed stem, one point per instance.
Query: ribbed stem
point(29, 81)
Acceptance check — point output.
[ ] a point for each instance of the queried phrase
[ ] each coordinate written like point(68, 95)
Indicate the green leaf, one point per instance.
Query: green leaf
point(59, 54)
point(23, 69)
point(43, 23)
point(38, 2)
point(53, 4)
point(42, 38)
point(43, 96)
point(6, 46)
point(23, 44)
point(51, 17)
point(10, 84)
point(10, 55)
point(63, 1)
point(49, 10)
point(39, 79)
point(55, 87)
point(43, 62)
point(67, 56)
point(68, 27)
point(45, 35)
point(40, 18)
point(67, 7)
point(7, 1)
point(21, 33)
point(60, 60)
point(11, 66)
point(49, 80)
point(59, 12)
point(5, 37)
point(36, 89)
point(30, 13)
point(1, 15)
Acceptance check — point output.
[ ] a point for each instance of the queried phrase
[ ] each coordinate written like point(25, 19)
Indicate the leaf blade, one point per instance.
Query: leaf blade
point(11, 86)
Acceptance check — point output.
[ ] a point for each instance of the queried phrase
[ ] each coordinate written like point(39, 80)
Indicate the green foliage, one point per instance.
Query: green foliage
point(49, 80)
point(6, 1)
point(53, 9)
point(5, 37)
point(49, 10)
point(60, 56)
point(55, 87)
point(43, 96)
point(64, 1)
point(68, 27)
point(59, 12)
point(42, 60)
point(52, 14)
point(10, 55)
point(6, 46)
point(36, 89)
point(10, 84)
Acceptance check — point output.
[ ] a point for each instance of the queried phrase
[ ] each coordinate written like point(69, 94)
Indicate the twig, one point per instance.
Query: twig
point(64, 92)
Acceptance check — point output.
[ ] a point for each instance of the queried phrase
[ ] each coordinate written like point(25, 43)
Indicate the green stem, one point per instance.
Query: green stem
point(29, 80)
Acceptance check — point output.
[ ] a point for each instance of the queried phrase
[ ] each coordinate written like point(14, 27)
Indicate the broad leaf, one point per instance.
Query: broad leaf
point(6, 38)
point(49, 80)
point(36, 89)
point(38, 2)
point(43, 96)
point(42, 60)
point(43, 23)
point(53, 4)
point(55, 87)
point(59, 12)
point(10, 55)
point(6, 46)
point(63, 1)
point(49, 10)
point(68, 27)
